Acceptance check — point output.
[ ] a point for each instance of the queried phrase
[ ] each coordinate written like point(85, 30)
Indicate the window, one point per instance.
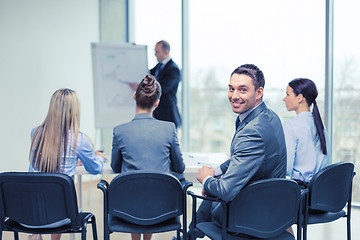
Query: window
point(226, 34)
point(346, 93)
point(346, 155)
point(158, 20)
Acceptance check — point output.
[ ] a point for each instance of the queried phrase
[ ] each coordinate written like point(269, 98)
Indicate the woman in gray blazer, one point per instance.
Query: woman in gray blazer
point(146, 143)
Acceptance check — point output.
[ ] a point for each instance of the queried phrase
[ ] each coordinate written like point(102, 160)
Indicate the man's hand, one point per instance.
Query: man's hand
point(203, 172)
point(133, 86)
point(203, 192)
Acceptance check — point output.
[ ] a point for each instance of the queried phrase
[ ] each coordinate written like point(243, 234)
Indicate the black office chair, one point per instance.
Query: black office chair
point(41, 203)
point(144, 202)
point(330, 190)
point(262, 210)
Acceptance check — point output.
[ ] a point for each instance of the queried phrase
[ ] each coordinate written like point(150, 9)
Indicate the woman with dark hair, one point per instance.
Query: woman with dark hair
point(146, 143)
point(305, 135)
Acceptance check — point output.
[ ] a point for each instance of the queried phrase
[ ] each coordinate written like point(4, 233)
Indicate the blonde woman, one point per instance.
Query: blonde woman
point(57, 144)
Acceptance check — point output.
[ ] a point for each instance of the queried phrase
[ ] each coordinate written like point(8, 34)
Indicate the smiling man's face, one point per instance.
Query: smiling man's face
point(242, 93)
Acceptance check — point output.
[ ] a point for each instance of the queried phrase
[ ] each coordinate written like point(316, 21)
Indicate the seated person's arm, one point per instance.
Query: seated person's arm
point(177, 163)
point(247, 158)
point(221, 169)
point(116, 156)
point(92, 162)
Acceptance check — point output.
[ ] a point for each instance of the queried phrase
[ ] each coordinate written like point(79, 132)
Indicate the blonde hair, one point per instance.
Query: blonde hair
point(59, 130)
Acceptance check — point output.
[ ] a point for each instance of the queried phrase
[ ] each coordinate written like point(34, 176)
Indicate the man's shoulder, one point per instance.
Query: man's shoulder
point(268, 113)
point(172, 65)
point(263, 123)
point(266, 117)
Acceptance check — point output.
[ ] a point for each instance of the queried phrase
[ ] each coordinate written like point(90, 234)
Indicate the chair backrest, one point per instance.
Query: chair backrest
point(145, 197)
point(265, 208)
point(330, 188)
point(37, 199)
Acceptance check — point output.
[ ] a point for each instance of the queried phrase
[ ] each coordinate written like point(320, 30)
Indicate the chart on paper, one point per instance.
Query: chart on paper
point(115, 68)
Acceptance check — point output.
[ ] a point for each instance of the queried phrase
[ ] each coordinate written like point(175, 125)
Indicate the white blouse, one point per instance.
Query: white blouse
point(304, 154)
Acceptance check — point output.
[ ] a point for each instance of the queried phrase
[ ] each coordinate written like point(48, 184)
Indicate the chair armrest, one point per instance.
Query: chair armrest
point(304, 195)
point(213, 199)
point(103, 185)
point(304, 192)
point(83, 218)
point(185, 185)
point(303, 211)
point(304, 198)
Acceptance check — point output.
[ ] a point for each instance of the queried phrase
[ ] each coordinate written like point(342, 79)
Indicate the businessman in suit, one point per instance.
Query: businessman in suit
point(258, 149)
point(167, 73)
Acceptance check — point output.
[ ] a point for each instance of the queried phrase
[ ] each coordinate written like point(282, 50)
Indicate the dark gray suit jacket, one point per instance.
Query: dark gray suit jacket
point(258, 151)
point(169, 78)
point(146, 144)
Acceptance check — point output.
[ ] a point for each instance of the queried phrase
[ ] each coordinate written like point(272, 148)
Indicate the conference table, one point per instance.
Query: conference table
point(193, 161)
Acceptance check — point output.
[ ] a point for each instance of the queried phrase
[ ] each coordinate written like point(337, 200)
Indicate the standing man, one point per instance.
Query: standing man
point(167, 73)
point(258, 149)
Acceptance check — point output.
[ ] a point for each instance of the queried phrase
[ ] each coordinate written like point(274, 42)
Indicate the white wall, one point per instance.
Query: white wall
point(44, 45)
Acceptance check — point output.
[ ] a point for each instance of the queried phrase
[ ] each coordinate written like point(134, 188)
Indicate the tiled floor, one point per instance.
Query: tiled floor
point(92, 202)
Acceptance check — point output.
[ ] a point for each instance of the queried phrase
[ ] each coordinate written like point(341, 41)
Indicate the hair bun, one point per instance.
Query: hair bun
point(148, 85)
point(147, 92)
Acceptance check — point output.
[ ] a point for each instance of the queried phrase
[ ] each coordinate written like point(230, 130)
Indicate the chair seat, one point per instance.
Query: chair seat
point(325, 217)
point(213, 231)
point(119, 225)
point(14, 226)
point(82, 217)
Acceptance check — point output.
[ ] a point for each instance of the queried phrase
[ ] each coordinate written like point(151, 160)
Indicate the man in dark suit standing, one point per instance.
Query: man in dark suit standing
point(258, 149)
point(167, 73)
